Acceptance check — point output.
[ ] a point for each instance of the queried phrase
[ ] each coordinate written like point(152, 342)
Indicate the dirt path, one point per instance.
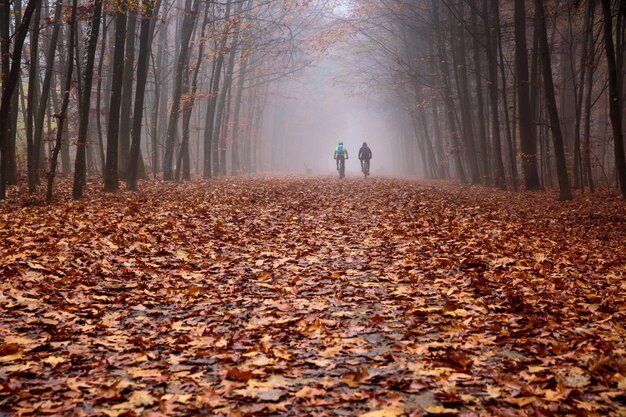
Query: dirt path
point(314, 297)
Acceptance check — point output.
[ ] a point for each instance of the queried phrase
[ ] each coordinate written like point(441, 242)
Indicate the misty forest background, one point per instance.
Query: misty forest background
point(505, 94)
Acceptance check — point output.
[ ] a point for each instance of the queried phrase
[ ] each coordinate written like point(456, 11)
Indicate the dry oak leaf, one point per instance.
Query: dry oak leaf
point(141, 398)
point(272, 394)
point(380, 413)
point(144, 373)
point(53, 360)
point(7, 349)
point(236, 374)
point(309, 392)
point(439, 410)
point(11, 358)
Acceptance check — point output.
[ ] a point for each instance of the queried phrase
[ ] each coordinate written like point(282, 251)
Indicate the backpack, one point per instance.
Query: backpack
point(340, 150)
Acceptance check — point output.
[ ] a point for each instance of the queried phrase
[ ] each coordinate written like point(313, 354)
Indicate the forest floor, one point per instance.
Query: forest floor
point(313, 296)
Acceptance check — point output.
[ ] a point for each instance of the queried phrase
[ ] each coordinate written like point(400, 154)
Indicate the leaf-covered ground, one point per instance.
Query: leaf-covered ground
point(313, 297)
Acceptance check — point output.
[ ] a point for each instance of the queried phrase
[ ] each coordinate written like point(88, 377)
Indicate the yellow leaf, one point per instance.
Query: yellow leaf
point(53, 360)
point(556, 396)
point(494, 392)
point(437, 409)
point(139, 359)
point(144, 373)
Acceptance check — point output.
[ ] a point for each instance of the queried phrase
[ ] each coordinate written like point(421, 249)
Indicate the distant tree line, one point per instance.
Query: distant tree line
point(504, 93)
point(124, 89)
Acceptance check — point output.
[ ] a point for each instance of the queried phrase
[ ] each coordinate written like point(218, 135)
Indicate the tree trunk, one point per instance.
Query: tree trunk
point(209, 128)
point(80, 168)
point(111, 171)
point(145, 41)
point(10, 82)
point(32, 149)
point(492, 68)
point(483, 148)
point(127, 95)
point(557, 137)
point(159, 90)
point(460, 66)
point(183, 160)
point(615, 97)
point(586, 146)
point(447, 97)
point(578, 166)
point(99, 96)
point(66, 98)
point(505, 101)
point(528, 142)
point(172, 127)
point(222, 114)
point(235, 161)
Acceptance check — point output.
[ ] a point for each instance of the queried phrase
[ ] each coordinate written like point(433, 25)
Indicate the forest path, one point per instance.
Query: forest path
point(313, 296)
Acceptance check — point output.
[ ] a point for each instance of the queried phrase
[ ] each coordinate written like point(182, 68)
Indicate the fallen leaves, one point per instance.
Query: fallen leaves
point(287, 296)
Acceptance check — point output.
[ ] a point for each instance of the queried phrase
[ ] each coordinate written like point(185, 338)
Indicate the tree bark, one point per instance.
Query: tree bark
point(615, 97)
point(557, 136)
point(111, 173)
point(492, 68)
point(150, 8)
point(528, 142)
point(10, 82)
point(127, 94)
point(32, 148)
point(460, 66)
point(80, 168)
point(586, 145)
point(209, 128)
point(187, 28)
point(447, 97)
point(66, 98)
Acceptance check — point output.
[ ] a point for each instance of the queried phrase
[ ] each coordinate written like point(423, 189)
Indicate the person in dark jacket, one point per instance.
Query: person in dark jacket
point(365, 154)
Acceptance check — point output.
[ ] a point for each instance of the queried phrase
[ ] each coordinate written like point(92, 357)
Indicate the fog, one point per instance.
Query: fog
point(320, 106)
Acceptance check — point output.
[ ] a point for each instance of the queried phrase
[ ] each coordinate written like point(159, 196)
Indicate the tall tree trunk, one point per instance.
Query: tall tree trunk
point(460, 66)
point(66, 98)
point(150, 8)
point(159, 90)
point(235, 157)
point(222, 114)
point(80, 166)
point(578, 166)
point(510, 140)
point(183, 160)
point(492, 68)
point(209, 129)
point(45, 92)
point(32, 149)
point(8, 162)
point(111, 171)
point(127, 94)
point(586, 145)
point(483, 148)
point(10, 82)
point(99, 96)
point(447, 97)
point(557, 137)
point(615, 97)
point(172, 127)
point(528, 142)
